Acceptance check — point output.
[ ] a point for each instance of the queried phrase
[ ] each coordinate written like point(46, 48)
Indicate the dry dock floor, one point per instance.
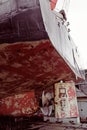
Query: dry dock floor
point(57, 126)
point(26, 123)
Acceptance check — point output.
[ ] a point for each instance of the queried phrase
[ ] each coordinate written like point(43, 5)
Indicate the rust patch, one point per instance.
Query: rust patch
point(22, 104)
point(28, 65)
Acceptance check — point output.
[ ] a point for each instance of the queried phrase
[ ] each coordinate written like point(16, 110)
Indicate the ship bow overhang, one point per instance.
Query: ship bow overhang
point(36, 49)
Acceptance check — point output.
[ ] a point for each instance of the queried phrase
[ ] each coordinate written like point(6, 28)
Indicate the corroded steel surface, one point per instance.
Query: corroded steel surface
point(26, 62)
point(24, 66)
point(22, 104)
point(65, 100)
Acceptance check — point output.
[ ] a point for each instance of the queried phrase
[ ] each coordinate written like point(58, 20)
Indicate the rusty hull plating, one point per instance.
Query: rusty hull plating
point(36, 49)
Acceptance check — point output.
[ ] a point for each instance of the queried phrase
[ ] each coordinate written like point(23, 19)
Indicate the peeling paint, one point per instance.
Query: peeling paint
point(22, 104)
point(30, 65)
point(65, 100)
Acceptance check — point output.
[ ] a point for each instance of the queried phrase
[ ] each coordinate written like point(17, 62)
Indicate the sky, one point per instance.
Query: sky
point(77, 17)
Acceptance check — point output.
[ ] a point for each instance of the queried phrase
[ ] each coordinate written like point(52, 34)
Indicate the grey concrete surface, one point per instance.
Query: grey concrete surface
point(58, 126)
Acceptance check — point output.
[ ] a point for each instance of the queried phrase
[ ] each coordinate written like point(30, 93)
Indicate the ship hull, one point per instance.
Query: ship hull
point(22, 24)
point(36, 49)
